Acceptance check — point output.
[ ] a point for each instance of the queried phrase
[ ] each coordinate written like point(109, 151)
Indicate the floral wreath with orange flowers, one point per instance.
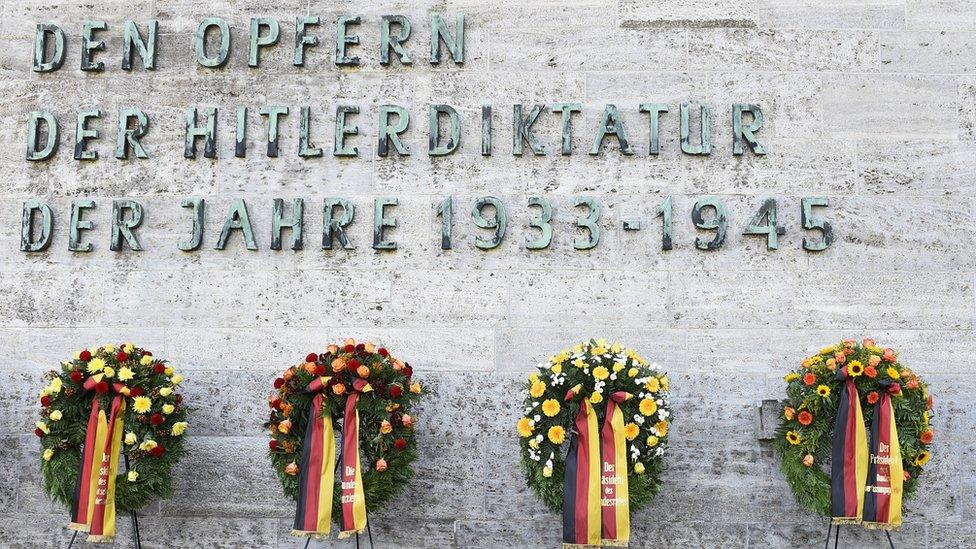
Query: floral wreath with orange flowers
point(386, 422)
point(804, 437)
point(594, 370)
point(152, 422)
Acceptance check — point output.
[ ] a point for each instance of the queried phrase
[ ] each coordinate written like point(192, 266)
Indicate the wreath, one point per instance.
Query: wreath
point(153, 421)
point(601, 369)
point(386, 426)
point(804, 436)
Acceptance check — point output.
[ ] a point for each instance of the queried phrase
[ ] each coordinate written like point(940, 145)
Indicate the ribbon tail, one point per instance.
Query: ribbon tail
point(108, 445)
point(581, 504)
point(615, 505)
point(313, 514)
point(353, 496)
point(80, 509)
point(849, 458)
point(883, 491)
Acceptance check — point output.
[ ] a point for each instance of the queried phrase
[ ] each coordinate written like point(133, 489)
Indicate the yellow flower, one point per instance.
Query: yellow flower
point(179, 428)
point(525, 427)
point(601, 373)
point(922, 458)
point(648, 407)
point(537, 389)
point(168, 409)
point(534, 443)
point(823, 391)
point(132, 476)
point(109, 348)
point(631, 430)
point(563, 356)
point(792, 376)
point(617, 366)
point(141, 404)
point(596, 398)
point(169, 371)
point(56, 386)
point(547, 472)
point(579, 363)
point(662, 428)
point(125, 374)
point(793, 437)
point(828, 350)
point(855, 368)
point(632, 372)
point(557, 367)
point(130, 438)
point(48, 454)
point(616, 347)
point(893, 373)
point(146, 360)
point(665, 383)
point(108, 371)
point(653, 385)
point(128, 348)
point(43, 427)
point(95, 365)
point(598, 350)
point(165, 391)
point(148, 445)
point(534, 376)
point(652, 441)
point(556, 434)
point(639, 468)
point(550, 407)
point(56, 415)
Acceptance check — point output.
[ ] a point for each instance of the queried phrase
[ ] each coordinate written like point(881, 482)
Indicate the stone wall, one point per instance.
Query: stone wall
point(870, 103)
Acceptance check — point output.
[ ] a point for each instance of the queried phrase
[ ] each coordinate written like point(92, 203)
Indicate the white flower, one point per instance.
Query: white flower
point(659, 451)
point(537, 417)
point(638, 419)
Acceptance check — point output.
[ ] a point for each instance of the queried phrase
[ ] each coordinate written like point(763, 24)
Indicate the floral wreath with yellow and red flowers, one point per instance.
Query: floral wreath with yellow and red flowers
point(153, 421)
point(600, 369)
point(386, 424)
point(804, 437)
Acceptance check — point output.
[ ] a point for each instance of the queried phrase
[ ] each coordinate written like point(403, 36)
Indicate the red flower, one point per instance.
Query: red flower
point(894, 388)
point(872, 397)
point(349, 348)
point(76, 376)
point(39, 432)
point(399, 444)
point(157, 451)
point(85, 356)
point(361, 347)
point(278, 382)
point(101, 387)
point(396, 391)
point(273, 444)
point(159, 367)
point(383, 352)
point(809, 378)
point(311, 357)
point(135, 392)
point(144, 353)
point(121, 356)
point(320, 370)
point(805, 417)
point(352, 364)
point(276, 403)
point(45, 401)
point(156, 419)
point(408, 371)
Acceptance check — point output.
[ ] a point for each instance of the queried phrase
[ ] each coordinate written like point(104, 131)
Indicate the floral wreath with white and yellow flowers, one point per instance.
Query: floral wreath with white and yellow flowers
point(386, 424)
point(804, 437)
point(153, 422)
point(600, 369)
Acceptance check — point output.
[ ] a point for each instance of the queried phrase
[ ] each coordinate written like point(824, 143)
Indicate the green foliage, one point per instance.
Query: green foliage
point(66, 436)
point(386, 377)
point(583, 367)
point(811, 485)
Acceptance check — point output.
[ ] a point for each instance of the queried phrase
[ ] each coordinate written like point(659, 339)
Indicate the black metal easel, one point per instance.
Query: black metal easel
point(135, 519)
point(369, 532)
point(831, 525)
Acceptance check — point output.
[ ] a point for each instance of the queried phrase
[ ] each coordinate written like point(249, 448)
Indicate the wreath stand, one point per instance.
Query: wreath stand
point(369, 532)
point(135, 519)
point(830, 525)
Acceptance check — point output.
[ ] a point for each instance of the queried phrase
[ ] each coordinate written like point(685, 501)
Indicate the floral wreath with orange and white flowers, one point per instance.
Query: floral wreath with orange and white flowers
point(601, 369)
point(386, 423)
point(153, 422)
point(803, 439)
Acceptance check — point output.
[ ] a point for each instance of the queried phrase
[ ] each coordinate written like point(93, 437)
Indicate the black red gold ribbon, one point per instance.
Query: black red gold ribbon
point(93, 507)
point(883, 492)
point(595, 499)
point(313, 514)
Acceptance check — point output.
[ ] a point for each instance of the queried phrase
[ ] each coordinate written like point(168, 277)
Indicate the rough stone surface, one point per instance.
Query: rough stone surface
point(871, 103)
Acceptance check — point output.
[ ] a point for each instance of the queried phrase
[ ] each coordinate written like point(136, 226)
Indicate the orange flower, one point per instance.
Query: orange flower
point(363, 371)
point(805, 417)
point(789, 413)
point(831, 364)
point(808, 460)
point(870, 372)
point(398, 364)
point(873, 397)
point(840, 357)
point(906, 474)
point(285, 426)
point(339, 388)
point(929, 402)
point(868, 342)
point(415, 388)
point(913, 383)
point(874, 360)
point(386, 427)
point(889, 355)
point(848, 343)
point(309, 367)
point(927, 436)
point(338, 365)
point(406, 420)
point(349, 341)
point(291, 469)
point(381, 465)
point(370, 348)
point(809, 378)
point(333, 349)
point(289, 373)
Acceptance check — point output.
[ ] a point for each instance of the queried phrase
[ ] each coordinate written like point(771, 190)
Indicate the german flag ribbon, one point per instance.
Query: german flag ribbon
point(313, 514)
point(581, 495)
point(849, 456)
point(883, 492)
point(613, 479)
point(93, 506)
